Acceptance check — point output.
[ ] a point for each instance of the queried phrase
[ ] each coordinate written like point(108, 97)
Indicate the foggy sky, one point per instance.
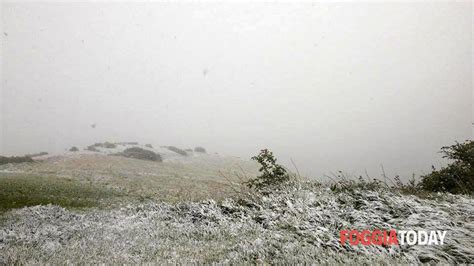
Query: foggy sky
point(344, 86)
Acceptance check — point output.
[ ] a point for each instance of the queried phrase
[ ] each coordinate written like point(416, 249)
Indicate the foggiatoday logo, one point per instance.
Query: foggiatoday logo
point(392, 237)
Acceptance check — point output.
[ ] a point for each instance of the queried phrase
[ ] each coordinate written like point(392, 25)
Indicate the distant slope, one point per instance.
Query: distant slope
point(178, 177)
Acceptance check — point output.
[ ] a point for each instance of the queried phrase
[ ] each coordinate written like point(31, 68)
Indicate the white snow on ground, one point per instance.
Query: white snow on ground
point(298, 225)
point(294, 226)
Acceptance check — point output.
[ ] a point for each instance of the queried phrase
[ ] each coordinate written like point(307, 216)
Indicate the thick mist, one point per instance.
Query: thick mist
point(345, 86)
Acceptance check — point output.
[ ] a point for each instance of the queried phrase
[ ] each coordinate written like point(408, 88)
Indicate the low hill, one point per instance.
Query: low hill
point(178, 177)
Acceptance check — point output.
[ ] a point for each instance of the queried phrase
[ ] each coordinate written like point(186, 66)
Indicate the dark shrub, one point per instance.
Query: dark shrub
point(141, 154)
point(361, 184)
point(15, 159)
point(200, 149)
point(92, 148)
point(177, 150)
point(128, 143)
point(410, 187)
point(149, 146)
point(108, 145)
point(271, 173)
point(73, 149)
point(457, 177)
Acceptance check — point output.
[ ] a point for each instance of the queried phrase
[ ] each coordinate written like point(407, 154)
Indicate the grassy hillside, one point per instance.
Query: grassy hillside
point(81, 180)
point(17, 191)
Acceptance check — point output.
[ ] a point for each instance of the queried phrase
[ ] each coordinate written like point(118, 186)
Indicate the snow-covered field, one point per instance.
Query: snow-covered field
point(299, 224)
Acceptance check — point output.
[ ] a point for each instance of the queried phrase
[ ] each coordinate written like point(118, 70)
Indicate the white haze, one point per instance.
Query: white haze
point(344, 86)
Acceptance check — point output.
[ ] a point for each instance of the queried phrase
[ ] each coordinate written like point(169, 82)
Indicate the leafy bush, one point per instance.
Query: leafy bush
point(410, 187)
point(149, 146)
point(457, 177)
point(141, 154)
point(346, 184)
point(177, 150)
point(108, 145)
point(126, 143)
point(15, 159)
point(200, 149)
point(73, 149)
point(92, 148)
point(271, 173)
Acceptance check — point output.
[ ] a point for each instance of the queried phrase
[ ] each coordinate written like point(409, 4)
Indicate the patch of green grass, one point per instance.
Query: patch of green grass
point(17, 191)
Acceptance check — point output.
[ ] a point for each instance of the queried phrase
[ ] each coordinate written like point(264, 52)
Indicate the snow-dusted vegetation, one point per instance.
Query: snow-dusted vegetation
point(96, 208)
point(300, 224)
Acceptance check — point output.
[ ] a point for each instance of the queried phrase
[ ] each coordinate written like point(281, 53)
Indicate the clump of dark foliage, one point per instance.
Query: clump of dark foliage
point(149, 146)
point(177, 150)
point(200, 149)
point(141, 154)
point(346, 184)
point(109, 145)
point(92, 148)
point(126, 143)
point(458, 176)
point(271, 173)
point(411, 187)
point(73, 149)
point(106, 145)
point(15, 159)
